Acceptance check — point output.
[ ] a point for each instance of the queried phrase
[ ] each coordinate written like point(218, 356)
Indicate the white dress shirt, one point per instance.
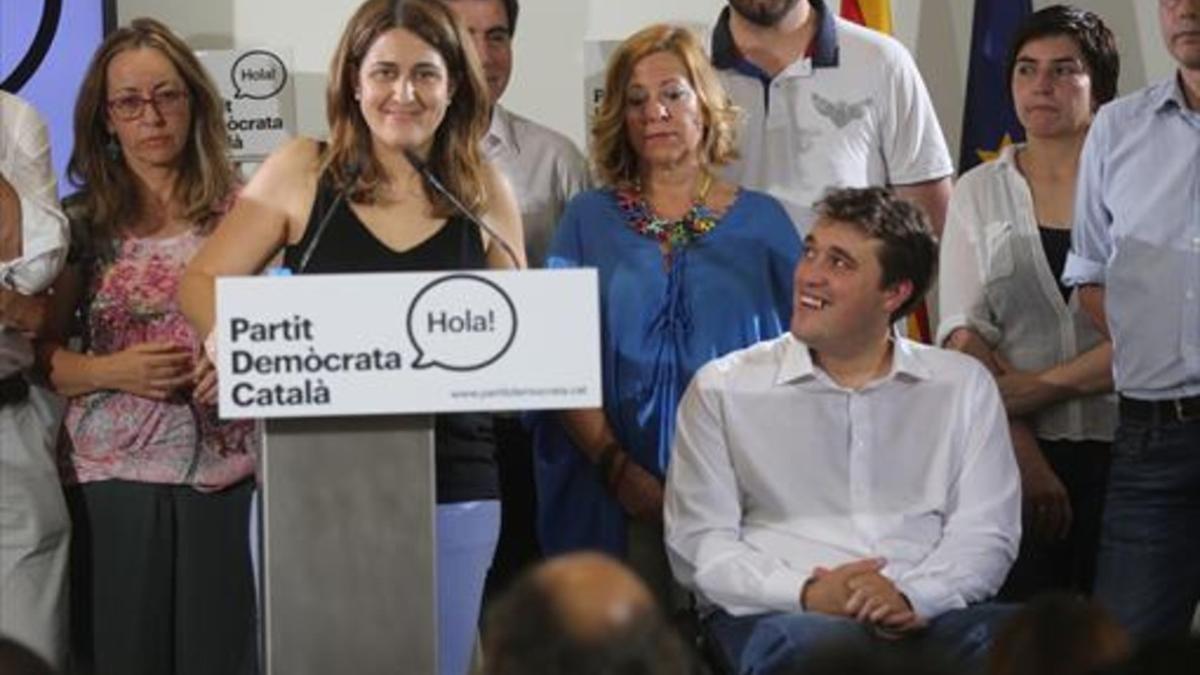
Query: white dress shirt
point(25, 163)
point(776, 470)
point(996, 280)
point(545, 170)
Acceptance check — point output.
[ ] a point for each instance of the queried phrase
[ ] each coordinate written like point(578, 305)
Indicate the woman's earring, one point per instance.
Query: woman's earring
point(112, 148)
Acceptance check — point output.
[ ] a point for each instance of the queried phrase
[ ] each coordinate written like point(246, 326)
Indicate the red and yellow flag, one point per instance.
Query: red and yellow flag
point(874, 14)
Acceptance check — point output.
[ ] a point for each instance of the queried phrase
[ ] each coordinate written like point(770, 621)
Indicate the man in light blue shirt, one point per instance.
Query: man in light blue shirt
point(1136, 255)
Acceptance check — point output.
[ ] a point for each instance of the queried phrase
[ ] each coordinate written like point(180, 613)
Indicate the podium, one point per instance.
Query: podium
point(348, 558)
point(348, 515)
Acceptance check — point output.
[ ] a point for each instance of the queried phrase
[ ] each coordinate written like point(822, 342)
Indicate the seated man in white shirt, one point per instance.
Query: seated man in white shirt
point(839, 482)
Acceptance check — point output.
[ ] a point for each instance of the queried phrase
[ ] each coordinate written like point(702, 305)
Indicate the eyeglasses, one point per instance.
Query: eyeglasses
point(132, 106)
point(671, 97)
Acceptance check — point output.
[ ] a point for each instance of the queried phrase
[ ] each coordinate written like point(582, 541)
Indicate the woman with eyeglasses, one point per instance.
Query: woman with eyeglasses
point(691, 267)
point(157, 486)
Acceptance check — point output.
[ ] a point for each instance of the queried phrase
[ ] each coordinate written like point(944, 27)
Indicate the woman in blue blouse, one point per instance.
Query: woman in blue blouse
point(690, 267)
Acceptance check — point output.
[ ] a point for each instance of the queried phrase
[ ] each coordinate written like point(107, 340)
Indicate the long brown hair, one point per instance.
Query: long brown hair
point(454, 158)
point(614, 158)
point(109, 189)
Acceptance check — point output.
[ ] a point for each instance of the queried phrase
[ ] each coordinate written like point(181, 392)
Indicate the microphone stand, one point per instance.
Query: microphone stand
point(423, 169)
point(352, 175)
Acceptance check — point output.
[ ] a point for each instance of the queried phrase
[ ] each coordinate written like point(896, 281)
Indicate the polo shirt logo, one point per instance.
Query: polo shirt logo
point(840, 113)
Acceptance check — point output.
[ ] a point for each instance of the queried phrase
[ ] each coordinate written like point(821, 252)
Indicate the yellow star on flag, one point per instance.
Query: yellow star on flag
point(989, 155)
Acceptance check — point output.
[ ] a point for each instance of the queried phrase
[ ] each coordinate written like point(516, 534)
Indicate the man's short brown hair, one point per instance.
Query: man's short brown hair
point(909, 248)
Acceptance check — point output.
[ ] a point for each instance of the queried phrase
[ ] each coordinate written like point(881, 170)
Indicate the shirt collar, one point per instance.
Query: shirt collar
point(907, 361)
point(1169, 95)
point(500, 132)
point(797, 364)
point(1008, 157)
point(823, 51)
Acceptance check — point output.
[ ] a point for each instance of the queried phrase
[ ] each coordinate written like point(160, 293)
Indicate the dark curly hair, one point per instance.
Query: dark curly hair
point(1095, 41)
point(909, 248)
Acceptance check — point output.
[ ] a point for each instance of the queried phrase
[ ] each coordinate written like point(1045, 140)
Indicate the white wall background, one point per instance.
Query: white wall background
point(547, 83)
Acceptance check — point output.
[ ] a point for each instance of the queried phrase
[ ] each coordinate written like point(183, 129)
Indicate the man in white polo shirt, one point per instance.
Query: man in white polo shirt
point(545, 170)
point(828, 104)
point(839, 483)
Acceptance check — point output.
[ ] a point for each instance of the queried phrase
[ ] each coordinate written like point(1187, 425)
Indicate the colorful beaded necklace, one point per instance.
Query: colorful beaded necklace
point(674, 233)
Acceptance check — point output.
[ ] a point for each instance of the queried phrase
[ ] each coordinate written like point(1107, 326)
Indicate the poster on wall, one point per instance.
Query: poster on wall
point(595, 61)
point(259, 95)
point(45, 47)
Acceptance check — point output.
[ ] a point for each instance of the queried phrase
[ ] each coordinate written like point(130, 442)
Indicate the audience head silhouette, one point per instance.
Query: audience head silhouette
point(582, 614)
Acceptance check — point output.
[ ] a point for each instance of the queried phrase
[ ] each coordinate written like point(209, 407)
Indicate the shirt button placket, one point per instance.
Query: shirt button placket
point(860, 461)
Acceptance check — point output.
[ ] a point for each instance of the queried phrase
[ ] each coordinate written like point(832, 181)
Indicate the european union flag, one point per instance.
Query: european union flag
point(989, 121)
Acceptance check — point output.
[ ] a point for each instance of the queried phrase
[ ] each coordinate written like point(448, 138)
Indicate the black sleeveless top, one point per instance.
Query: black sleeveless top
point(1056, 243)
point(464, 443)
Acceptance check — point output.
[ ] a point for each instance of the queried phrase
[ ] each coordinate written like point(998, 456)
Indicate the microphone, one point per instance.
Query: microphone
point(352, 171)
point(423, 169)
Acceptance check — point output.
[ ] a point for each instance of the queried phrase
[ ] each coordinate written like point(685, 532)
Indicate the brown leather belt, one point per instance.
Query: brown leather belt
point(1168, 410)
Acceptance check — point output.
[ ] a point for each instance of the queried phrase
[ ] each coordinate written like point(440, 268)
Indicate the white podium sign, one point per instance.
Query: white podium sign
point(361, 344)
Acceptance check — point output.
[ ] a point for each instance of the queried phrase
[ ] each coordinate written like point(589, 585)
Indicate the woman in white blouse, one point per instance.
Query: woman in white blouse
point(1005, 243)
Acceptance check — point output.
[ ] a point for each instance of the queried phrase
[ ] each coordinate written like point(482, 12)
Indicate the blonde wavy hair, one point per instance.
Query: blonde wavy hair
point(614, 158)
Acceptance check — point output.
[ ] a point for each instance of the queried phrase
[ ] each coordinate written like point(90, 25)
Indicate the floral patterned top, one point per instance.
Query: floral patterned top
point(130, 299)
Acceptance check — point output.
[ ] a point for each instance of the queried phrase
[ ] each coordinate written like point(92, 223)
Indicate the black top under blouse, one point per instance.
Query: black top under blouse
point(1056, 242)
point(464, 442)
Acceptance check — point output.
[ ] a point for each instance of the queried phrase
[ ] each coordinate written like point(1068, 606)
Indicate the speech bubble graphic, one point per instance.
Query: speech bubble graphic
point(461, 322)
point(258, 74)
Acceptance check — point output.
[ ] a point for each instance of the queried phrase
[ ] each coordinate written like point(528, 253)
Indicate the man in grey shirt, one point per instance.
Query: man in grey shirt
point(1136, 256)
point(545, 170)
point(544, 167)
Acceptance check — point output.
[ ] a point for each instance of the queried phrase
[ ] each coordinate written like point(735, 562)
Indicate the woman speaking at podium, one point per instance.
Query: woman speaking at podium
point(406, 94)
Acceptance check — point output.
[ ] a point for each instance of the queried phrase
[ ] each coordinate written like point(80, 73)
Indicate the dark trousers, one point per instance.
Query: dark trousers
point(1149, 569)
point(761, 644)
point(518, 548)
point(1068, 564)
point(161, 580)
